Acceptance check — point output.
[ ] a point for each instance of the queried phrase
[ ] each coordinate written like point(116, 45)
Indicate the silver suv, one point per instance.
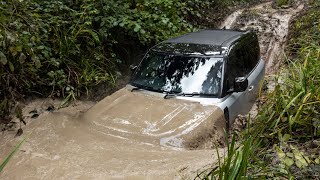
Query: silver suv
point(185, 91)
point(213, 67)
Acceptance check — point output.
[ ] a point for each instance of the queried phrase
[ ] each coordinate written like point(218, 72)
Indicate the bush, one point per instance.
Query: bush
point(58, 48)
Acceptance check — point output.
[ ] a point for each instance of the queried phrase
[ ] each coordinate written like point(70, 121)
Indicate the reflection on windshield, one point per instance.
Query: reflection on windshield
point(185, 48)
point(179, 74)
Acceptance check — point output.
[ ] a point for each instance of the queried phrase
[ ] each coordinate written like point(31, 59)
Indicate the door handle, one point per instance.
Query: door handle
point(251, 88)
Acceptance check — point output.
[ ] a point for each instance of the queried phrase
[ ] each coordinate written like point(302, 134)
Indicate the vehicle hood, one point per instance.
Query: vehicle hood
point(145, 118)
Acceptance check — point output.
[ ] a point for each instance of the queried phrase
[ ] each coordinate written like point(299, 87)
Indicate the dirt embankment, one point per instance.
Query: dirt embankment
point(66, 144)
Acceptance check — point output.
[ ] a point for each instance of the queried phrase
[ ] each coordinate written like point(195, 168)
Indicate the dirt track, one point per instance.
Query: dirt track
point(66, 144)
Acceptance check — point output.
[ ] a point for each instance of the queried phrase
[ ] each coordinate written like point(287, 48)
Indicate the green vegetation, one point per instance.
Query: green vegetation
point(47, 46)
point(280, 3)
point(233, 167)
point(285, 135)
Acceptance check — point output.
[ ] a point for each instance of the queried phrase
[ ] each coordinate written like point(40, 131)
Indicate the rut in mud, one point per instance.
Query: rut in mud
point(76, 142)
point(271, 26)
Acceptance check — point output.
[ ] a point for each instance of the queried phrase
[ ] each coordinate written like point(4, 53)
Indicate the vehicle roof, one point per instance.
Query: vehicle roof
point(218, 37)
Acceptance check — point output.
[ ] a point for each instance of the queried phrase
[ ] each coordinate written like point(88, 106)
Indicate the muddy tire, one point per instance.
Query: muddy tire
point(226, 117)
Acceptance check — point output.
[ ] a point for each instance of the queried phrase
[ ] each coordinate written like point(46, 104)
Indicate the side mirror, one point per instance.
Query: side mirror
point(240, 84)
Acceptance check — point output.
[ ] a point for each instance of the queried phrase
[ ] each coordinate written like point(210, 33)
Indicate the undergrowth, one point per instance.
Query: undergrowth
point(285, 136)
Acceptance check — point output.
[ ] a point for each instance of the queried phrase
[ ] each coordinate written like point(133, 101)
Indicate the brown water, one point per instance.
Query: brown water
point(127, 135)
point(123, 137)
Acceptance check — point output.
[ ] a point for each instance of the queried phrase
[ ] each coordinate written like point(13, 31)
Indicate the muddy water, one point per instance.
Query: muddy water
point(150, 119)
point(120, 138)
point(129, 135)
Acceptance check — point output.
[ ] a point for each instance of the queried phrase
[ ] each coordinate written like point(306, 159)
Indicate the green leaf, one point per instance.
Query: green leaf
point(115, 23)
point(289, 154)
point(288, 161)
point(286, 137)
point(298, 164)
point(280, 153)
point(300, 161)
point(40, 47)
point(13, 51)
point(11, 66)
point(22, 58)
point(122, 24)
point(36, 61)
point(93, 34)
point(18, 48)
point(137, 28)
point(3, 58)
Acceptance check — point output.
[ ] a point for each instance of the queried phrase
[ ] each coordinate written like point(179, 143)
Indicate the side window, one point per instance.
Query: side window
point(235, 65)
point(243, 57)
point(253, 50)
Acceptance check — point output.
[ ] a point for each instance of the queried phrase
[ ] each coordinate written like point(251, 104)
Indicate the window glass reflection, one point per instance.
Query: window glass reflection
point(179, 74)
point(190, 49)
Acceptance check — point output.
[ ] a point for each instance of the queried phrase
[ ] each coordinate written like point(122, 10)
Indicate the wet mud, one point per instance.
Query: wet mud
point(123, 137)
point(271, 25)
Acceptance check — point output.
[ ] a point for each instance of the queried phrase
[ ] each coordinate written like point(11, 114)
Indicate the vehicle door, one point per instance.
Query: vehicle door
point(257, 68)
point(240, 64)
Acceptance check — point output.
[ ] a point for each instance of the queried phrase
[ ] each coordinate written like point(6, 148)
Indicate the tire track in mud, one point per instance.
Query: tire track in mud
point(66, 146)
point(271, 26)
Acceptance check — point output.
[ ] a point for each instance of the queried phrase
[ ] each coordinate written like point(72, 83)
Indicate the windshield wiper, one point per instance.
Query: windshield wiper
point(170, 94)
point(138, 87)
point(173, 94)
point(135, 89)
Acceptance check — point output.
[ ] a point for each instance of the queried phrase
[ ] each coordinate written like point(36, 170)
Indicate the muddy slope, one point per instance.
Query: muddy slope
point(75, 142)
point(271, 26)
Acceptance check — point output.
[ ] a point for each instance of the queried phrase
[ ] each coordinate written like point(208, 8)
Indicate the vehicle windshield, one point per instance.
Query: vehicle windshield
point(179, 74)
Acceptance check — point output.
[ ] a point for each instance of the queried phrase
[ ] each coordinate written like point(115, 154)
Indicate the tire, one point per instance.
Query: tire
point(226, 117)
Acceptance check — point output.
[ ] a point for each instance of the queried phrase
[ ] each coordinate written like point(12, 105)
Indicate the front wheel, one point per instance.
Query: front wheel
point(226, 117)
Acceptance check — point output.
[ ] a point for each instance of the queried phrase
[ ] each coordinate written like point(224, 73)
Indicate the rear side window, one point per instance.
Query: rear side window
point(252, 51)
point(243, 57)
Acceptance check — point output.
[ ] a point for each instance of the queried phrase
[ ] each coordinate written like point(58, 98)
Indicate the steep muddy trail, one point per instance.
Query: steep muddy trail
point(271, 26)
point(76, 142)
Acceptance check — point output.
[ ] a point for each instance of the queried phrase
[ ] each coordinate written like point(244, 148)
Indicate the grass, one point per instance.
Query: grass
point(234, 165)
point(284, 140)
